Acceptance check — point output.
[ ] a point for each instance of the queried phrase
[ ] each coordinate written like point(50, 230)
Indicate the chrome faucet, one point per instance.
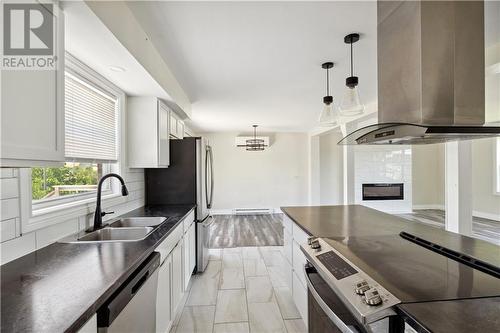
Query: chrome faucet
point(98, 213)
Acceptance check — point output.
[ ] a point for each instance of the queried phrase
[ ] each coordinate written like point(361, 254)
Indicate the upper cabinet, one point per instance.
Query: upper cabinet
point(32, 88)
point(176, 126)
point(148, 124)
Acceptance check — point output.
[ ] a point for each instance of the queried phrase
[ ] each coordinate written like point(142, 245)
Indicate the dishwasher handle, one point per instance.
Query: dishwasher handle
point(117, 302)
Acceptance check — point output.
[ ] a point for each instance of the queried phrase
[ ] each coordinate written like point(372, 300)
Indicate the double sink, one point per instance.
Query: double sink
point(121, 230)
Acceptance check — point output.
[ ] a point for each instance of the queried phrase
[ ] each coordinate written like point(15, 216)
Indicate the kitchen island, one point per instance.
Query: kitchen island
point(371, 240)
point(61, 286)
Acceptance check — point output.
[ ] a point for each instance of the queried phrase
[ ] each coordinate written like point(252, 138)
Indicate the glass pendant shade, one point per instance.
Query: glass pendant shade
point(351, 105)
point(329, 116)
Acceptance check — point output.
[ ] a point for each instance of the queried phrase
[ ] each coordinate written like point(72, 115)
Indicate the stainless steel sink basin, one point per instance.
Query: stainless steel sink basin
point(111, 235)
point(130, 222)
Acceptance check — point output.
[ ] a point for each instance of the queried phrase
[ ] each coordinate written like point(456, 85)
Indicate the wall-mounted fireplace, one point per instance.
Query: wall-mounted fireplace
point(387, 191)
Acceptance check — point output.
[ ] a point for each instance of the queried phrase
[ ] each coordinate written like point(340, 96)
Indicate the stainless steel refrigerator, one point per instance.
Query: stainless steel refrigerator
point(187, 181)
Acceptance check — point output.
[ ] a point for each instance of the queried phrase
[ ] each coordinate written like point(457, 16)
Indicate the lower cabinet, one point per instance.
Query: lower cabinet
point(163, 304)
point(299, 292)
point(185, 260)
point(177, 277)
point(90, 326)
point(192, 247)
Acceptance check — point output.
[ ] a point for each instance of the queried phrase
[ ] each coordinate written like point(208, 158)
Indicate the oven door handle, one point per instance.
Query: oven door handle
point(333, 317)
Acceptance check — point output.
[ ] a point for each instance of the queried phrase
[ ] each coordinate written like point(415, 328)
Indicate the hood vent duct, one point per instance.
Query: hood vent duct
point(431, 74)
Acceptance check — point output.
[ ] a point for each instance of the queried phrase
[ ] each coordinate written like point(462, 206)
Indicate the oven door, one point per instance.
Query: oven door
point(326, 311)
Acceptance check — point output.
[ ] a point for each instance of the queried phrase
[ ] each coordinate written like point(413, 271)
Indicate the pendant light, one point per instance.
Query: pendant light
point(330, 115)
point(255, 144)
point(351, 105)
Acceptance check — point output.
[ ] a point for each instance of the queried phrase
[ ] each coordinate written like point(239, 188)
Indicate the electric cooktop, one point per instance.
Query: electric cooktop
point(414, 270)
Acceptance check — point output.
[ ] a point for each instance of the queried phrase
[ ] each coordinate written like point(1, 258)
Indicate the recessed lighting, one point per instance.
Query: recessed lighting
point(117, 69)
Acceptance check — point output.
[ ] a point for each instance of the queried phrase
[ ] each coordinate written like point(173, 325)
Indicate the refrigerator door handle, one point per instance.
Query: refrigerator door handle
point(209, 164)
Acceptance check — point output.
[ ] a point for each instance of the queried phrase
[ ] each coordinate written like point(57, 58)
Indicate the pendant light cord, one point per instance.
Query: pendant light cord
point(351, 60)
point(327, 82)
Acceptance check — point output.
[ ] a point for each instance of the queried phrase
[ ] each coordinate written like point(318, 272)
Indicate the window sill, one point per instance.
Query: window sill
point(45, 217)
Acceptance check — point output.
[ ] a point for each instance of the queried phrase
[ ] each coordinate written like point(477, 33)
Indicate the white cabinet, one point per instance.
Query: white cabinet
point(176, 126)
point(148, 124)
point(299, 292)
point(32, 109)
point(177, 277)
point(163, 299)
point(189, 253)
point(192, 247)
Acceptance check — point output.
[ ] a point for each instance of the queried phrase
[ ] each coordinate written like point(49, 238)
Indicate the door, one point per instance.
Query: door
point(163, 299)
point(163, 136)
point(177, 277)
point(201, 202)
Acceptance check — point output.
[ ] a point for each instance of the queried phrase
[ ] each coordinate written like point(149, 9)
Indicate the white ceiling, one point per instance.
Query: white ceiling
point(260, 62)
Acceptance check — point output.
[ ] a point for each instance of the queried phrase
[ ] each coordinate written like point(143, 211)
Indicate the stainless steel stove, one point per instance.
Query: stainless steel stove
point(355, 282)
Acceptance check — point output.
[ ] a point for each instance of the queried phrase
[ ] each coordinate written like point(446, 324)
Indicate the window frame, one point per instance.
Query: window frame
point(36, 215)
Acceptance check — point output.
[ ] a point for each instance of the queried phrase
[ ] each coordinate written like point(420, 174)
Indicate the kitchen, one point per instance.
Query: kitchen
point(180, 166)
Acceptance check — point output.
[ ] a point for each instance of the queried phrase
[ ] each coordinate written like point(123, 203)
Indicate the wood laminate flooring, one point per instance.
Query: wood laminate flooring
point(246, 230)
point(485, 229)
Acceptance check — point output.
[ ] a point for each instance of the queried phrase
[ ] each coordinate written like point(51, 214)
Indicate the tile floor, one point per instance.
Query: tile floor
point(241, 291)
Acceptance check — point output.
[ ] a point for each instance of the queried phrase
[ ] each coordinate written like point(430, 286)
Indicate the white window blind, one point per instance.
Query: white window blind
point(91, 122)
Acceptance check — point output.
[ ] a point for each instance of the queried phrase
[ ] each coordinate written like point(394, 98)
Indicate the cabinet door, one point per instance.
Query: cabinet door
point(192, 247)
point(163, 136)
point(180, 129)
point(32, 104)
point(173, 124)
point(163, 299)
point(185, 262)
point(177, 276)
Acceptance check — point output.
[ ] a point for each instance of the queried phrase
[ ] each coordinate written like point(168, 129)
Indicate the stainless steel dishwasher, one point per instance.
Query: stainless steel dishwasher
point(132, 308)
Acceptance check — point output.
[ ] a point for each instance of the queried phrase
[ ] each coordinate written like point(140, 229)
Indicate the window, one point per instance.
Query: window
point(91, 141)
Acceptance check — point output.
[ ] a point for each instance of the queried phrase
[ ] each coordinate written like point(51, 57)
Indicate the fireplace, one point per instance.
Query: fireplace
point(386, 191)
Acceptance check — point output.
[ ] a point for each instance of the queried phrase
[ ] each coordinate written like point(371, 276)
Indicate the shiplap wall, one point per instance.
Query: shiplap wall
point(15, 245)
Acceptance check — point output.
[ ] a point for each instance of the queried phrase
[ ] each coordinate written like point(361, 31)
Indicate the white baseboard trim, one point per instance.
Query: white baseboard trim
point(489, 216)
point(417, 207)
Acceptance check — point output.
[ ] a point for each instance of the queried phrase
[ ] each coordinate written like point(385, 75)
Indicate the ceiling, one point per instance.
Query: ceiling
point(242, 63)
point(89, 40)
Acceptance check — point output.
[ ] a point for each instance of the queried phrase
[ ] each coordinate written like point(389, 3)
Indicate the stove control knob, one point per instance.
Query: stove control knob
point(311, 239)
point(372, 297)
point(316, 245)
point(361, 287)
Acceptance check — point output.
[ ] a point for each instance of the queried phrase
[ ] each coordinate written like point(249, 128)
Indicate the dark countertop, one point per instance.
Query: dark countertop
point(340, 222)
point(370, 239)
point(59, 287)
point(472, 315)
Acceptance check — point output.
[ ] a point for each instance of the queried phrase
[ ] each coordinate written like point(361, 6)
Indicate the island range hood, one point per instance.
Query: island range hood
point(431, 74)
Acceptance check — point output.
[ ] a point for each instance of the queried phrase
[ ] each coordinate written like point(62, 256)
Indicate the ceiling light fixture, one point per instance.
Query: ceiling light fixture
point(351, 105)
point(255, 144)
point(117, 69)
point(330, 115)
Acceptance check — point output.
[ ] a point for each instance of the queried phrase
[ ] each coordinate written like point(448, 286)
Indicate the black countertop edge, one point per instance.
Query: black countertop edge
point(18, 290)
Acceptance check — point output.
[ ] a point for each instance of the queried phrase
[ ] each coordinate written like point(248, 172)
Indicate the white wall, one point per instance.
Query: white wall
point(268, 179)
point(330, 169)
point(428, 176)
point(485, 202)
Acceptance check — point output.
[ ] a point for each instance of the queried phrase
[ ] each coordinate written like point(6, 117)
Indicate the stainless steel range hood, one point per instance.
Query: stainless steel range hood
point(431, 74)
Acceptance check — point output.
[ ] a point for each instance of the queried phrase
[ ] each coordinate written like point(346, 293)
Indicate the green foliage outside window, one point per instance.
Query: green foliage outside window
point(44, 180)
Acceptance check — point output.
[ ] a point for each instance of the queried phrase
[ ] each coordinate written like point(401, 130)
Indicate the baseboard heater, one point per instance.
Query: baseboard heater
point(252, 211)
